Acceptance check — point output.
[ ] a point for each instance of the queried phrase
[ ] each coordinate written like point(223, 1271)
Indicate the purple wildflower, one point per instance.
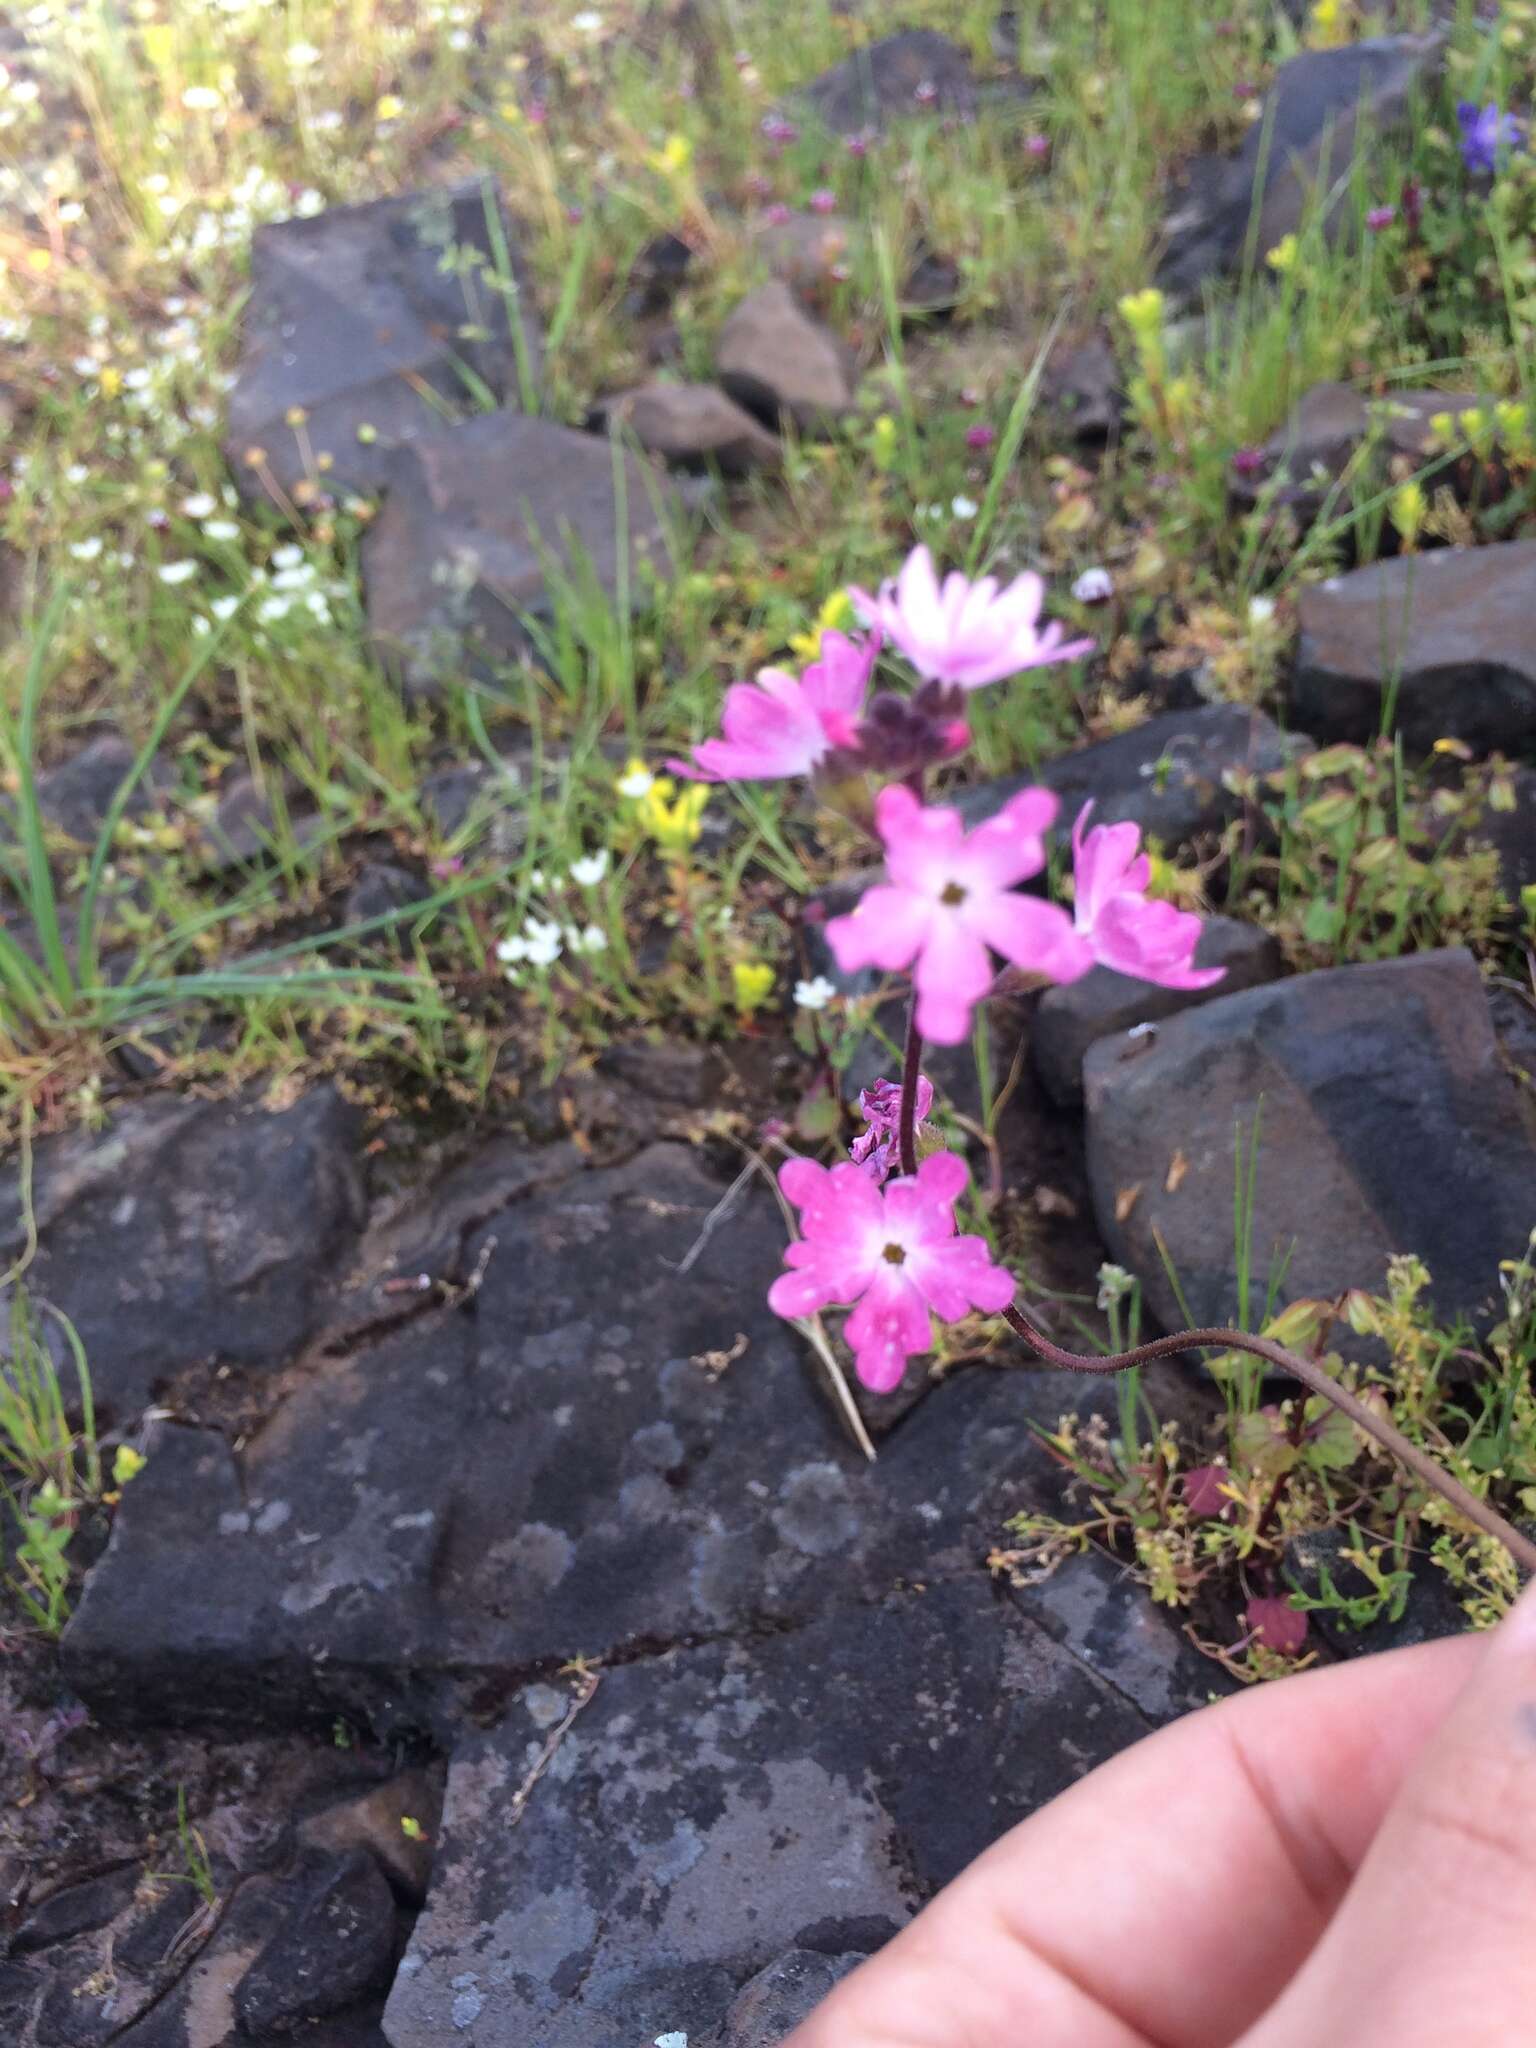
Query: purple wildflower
point(1380, 217)
point(1484, 132)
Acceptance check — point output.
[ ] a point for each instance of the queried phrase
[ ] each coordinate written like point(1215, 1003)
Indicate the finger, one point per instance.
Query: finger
point(1171, 1894)
point(1436, 1941)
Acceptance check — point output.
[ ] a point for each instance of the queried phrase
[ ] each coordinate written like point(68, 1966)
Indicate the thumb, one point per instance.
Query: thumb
point(1435, 1941)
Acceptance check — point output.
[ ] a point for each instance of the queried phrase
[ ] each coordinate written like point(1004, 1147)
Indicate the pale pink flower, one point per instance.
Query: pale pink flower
point(893, 1250)
point(787, 725)
point(877, 1147)
point(950, 898)
point(1117, 924)
point(966, 633)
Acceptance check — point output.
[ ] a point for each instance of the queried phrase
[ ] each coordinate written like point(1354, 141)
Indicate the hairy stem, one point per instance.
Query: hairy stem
point(1311, 1375)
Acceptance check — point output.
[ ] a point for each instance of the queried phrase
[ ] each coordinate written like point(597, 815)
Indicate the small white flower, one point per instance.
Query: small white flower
point(199, 505)
point(588, 23)
point(294, 579)
point(221, 529)
point(590, 869)
point(70, 212)
point(329, 120)
point(85, 366)
point(288, 556)
point(225, 607)
point(671, 2041)
point(1260, 610)
point(136, 379)
point(637, 783)
point(201, 99)
point(86, 550)
point(76, 473)
point(1094, 586)
point(301, 56)
point(200, 625)
point(272, 608)
point(964, 508)
point(814, 995)
point(589, 939)
point(543, 941)
point(512, 950)
point(177, 572)
point(170, 204)
point(174, 308)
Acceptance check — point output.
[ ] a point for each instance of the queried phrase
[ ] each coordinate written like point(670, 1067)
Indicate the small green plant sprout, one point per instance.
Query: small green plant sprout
point(50, 1463)
point(412, 1829)
point(196, 1870)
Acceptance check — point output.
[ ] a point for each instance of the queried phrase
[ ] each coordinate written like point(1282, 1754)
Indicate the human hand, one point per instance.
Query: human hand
point(1345, 1859)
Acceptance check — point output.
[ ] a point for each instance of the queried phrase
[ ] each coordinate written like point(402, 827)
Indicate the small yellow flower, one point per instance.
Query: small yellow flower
point(390, 107)
point(1328, 25)
point(674, 823)
point(836, 615)
point(1442, 425)
point(1142, 312)
point(753, 983)
point(673, 158)
point(882, 442)
point(127, 1464)
point(1406, 508)
point(1282, 257)
point(511, 113)
point(111, 380)
point(1514, 425)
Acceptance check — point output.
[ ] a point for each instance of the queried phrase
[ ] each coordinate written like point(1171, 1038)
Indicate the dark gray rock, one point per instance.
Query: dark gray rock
point(76, 796)
point(768, 1796)
point(245, 826)
point(336, 1944)
point(1082, 389)
point(192, 1231)
point(1388, 1125)
point(76, 1909)
point(1321, 104)
point(659, 274)
point(779, 363)
point(1445, 636)
point(805, 250)
point(381, 888)
point(1070, 1018)
point(476, 516)
point(359, 318)
point(1304, 460)
point(1093, 1607)
point(373, 1819)
point(1172, 776)
point(565, 1469)
point(780, 1997)
point(692, 426)
point(914, 71)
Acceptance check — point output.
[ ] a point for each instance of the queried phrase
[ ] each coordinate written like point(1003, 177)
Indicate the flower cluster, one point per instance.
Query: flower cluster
point(949, 909)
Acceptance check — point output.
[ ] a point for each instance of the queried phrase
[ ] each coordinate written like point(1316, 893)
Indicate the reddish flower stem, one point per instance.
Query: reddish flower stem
point(911, 1063)
point(1311, 1375)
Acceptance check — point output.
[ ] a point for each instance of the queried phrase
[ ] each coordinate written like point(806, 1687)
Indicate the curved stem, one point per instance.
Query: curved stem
point(912, 1060)
point(1312, 1376)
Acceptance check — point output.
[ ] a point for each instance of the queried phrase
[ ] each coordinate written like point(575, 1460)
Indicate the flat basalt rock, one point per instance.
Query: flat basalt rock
point(364, 323)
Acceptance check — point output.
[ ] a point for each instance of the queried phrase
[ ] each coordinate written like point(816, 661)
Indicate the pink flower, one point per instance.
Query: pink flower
point(966, 633)
point(1380, 217)
point(1117, 924)
point(786, 725)
point(823, 200)
point(949, 899)
point(980, 435)
point(877, 1147)
point(893, 1250)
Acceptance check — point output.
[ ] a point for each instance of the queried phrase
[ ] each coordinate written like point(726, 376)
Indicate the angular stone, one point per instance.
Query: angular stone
point(75, 1910)
point(1171, 776)
point(914, 71)
point(1070, 1018)
point(692, 426)
point(76, 796)
point(188, 1232)
point(775, 360)
point(1388, 1125)
point(476, 515)
point(1442, 640)
point(335, 1945)
point(780, 1997)
point(1082, 386)
point(245, 828)
point(1323, 439)
point(356, 319)
point(382, 887)
point(575, 1467)
point(1320, 106)
point(374, 1819)
point(712, 1808)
